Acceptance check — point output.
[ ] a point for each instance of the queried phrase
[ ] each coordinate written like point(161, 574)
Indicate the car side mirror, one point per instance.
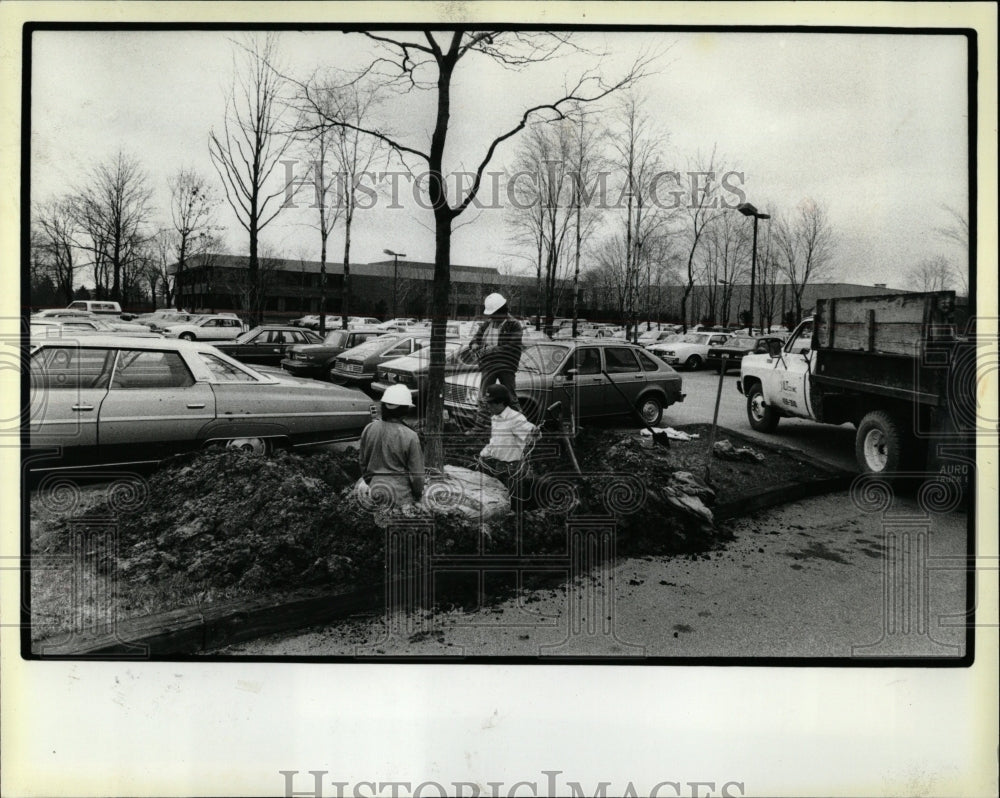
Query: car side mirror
point(774, 348)
point(571, 373)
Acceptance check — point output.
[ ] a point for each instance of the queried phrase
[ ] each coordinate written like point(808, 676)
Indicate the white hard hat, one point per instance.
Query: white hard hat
point(398, 396)
point(493, 303)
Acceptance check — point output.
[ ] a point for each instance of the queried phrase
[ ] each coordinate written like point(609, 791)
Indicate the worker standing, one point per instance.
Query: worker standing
point(392, 463)
point(498, 346)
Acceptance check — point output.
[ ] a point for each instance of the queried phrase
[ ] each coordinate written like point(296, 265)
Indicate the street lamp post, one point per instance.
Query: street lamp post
point(749, 210)
point(395, 273)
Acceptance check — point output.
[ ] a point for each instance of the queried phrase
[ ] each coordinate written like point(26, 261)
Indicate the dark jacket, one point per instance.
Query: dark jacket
point(506, 353)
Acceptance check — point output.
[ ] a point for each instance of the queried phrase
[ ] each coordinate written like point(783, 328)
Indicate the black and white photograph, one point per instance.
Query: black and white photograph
point(376, 354)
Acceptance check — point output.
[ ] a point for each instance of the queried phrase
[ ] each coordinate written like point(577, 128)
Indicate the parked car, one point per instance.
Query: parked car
point(106, 325)
point(96, 306)
point(572, 371)
point(650, 338)
point(736, 347)
point(312, 322)
point(316, 360)
point(357, 366)
point(105, 399)
point(267, 345)
point(362, 321)
point(691, 350)
point(160, 319)
point(413, 370)
point(216, 327)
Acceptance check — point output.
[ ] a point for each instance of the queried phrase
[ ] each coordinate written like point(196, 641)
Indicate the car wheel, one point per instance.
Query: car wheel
point(186, 336)
point(761, 417)
point(693, 363)
point(879, 443)
point(651, 410)
point(251, 445)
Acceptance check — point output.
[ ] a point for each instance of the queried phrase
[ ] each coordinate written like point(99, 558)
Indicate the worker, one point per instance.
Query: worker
point(392, 463)
point(510, 435)
point(498, 346)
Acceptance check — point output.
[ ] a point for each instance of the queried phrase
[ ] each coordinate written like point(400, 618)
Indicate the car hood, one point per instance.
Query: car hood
point(525, 380)
point(315, 349)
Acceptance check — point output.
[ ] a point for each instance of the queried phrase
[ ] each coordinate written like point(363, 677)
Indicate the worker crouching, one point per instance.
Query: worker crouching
point(392, 463)
point(512, 437)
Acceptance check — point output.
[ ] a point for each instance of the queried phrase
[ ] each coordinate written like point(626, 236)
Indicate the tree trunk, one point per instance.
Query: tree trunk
point(345, 299)
point(322, 283)
point(434, 427)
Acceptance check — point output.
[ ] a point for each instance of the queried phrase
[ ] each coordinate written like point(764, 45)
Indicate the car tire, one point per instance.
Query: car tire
point(186, 336)
point(651, 410)
point(761, 417)
point(693, 363)
point(880, 443)
point(259, 446)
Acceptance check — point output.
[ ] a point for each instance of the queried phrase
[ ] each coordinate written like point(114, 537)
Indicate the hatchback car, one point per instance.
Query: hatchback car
point(266, 346)
point(104, 399)
point(729, 354)
point(691, 350)
point(316, 360)
point(574, 370)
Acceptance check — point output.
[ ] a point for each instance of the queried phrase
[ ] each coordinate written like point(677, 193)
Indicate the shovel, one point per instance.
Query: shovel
point(659, 436)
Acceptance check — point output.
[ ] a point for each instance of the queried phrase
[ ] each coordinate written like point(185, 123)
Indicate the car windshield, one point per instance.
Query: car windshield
point(247, 336)
point(694, 338)
point(335, 338)
point(543, 359)
point(374, 346)
point(425, 352)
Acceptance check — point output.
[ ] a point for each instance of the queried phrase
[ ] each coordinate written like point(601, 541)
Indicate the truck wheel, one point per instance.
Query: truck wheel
point(693, 363)
point(651, 410)
point(878, 446)
point(761, 417)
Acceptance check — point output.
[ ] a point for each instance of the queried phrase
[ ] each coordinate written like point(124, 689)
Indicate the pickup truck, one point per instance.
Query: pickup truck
point(892, 365)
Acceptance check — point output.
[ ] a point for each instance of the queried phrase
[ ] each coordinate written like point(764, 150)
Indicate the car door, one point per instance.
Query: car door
point(792, 389)
point(267, 347)
point(68, 383)
point(623, 367)
point(154, 404)
point(581, 382)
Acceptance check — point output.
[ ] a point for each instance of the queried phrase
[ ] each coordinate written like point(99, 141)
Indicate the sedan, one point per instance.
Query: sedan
point(413, 371)
point(582, 372)
point(691, 350)
point(316, 360)
point(71, 325)
point(357, 366)
point(267, 345)
point(104, 400)
point(731, 353)
point(216, 327)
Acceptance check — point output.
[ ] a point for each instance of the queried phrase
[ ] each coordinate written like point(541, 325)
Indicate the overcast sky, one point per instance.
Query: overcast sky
point(873, 127)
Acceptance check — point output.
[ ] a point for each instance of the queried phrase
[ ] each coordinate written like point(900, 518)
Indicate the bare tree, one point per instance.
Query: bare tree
point(701, 209)
point(805, 242)
point(247, 151)
point(931, 274)
point(111, 211)
point(54, 229)
point(319, 101)
point(727, 260)
point(768, 274)
point(957, 232)
point(638, 159)
point(428, 61)
point(191, 206)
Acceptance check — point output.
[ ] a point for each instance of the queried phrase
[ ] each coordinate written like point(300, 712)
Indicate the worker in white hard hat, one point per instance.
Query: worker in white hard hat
point(392, 463)
point(497, 344)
